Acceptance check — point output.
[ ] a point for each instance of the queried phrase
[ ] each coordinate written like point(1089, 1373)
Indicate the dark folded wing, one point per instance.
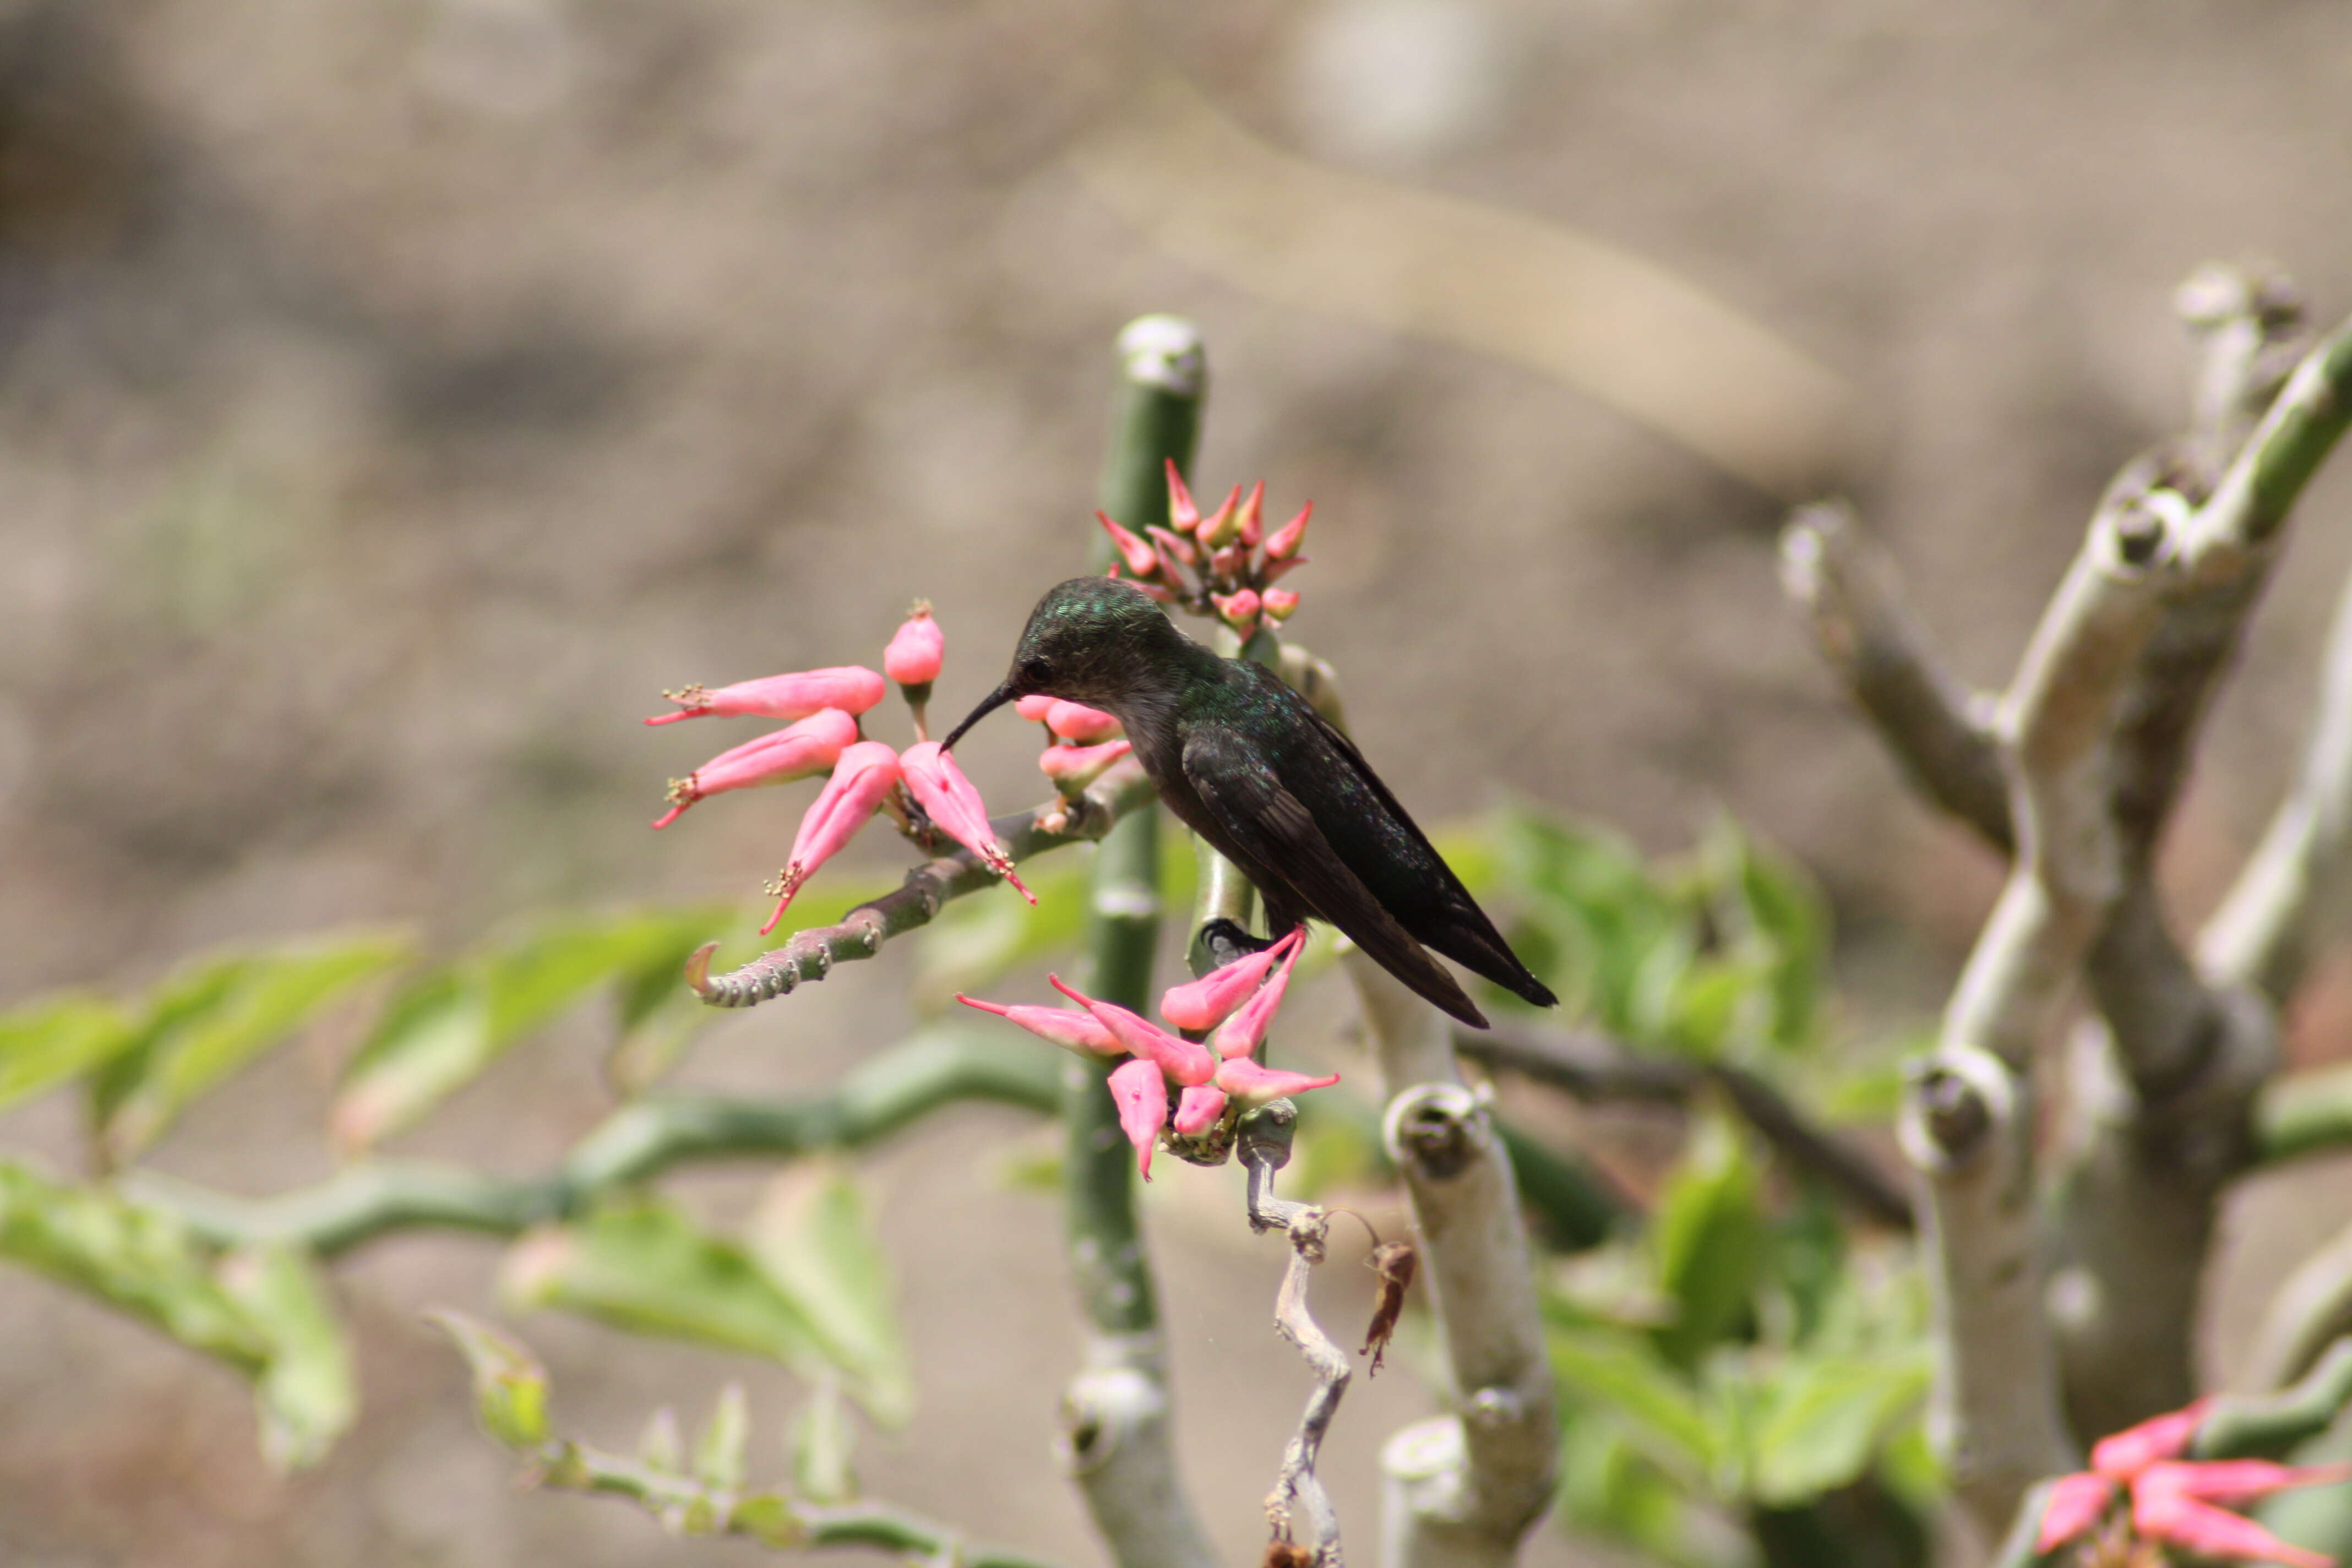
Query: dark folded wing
point(1273, 828)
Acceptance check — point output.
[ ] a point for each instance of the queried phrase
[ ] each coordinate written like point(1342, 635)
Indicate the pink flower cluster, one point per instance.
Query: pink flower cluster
point(1237, 1001)
point(2175, 1502)
point(1223, 565)
point(826, 737)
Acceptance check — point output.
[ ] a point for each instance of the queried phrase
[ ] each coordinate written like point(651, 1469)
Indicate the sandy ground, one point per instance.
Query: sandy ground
point(396, 395)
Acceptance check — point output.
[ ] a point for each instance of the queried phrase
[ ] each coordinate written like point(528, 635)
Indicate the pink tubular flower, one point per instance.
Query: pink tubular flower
point(1072, 768)
point(1271, 571)
point(1077, 721)
point(1278, 603)
point(1239, 1034)
point(1239, 610)
point(802, 751)
point(916, 649)
point(1205, 1003)
point(1141, 1095)
point(1187, 1061)
point(1253, 1085)
point(851, 688)
point(2172, 1499)
point(1136, 557)
point(1069, 1029)
point(1197, 1109)
point(1150, 590)
point(1286, 540)
point(952, 802)
point(2122, 1455)
point(1035, 707)
point(1183, 515)
point(2162, 1510)
point(1172, 546)
point(1220, 527)
point(862, 776)
point(1252, 517)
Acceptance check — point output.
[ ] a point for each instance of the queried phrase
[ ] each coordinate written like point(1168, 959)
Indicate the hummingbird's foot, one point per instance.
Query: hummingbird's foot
point(1226, 942)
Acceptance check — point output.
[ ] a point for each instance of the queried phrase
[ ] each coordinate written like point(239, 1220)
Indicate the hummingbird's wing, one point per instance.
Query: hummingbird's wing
point(1272, 828)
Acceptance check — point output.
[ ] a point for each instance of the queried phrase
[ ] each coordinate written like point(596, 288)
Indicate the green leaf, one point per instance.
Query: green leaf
point(822, 1441)
point(813, 1237)
point(719, 1453)
point(659, 1447)
point(1769, 911)
point(446, 1028)
point(49, 1041)
point(1824, 1419)
point(1709, 1236)
point(1662, 1415)
point(1608, 1488)
point(307, 1397)
point(509, 1385)
point(657, 1015)
point(639, 1265)
point(221, 1015)
point(768, 1519)
point(139, 1260)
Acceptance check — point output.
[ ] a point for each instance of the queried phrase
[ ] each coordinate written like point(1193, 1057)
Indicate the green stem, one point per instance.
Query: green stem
point(931, 1071)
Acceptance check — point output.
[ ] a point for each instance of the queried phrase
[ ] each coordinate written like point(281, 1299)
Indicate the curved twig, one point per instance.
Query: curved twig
point(811, 954)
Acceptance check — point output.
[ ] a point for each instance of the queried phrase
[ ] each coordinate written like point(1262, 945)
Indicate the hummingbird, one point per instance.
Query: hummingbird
point(1245, 762)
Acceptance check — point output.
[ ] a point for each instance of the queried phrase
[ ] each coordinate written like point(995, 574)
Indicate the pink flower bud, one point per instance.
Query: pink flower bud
point(1133, 553)
point(1173, 547)
point(1072, 768)
point(1286, 540)
point(1187, 1061)
point(2074, 1505)
point(1226, 563)
point(1183, 515)
point(1035, 707)
point(1278, 603)
point(1253, 1085)
point(1238, 610)
point(1205, 1003)
point(1239, 1034)
point(954, 805)
point(851, 688)
point(802, 750)
point(1197, 1109)
point(2238, 1480)
point(1220, 527)
point(1150, 590)
point(1274, 571)
point(916, 649)
point(1077, 721)
point(2123, 1455)
point(1141, 1095)
point(1252, 518)
point(860, 779)
point(2163, 1512)
point(1067, 1028)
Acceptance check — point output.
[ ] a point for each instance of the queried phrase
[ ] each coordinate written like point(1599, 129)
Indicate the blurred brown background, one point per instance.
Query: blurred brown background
point(395, 396)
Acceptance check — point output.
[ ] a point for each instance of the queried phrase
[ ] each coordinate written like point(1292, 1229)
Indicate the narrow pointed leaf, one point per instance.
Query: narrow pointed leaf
point(509, 1385)
point(822, 1443)
point(307, 1397)
point(249, 1002)
point(718, 1452)
point(59, 1039)
point(813, 1239)
point(443, 1029)
point(138, 1260)
point(642, 1265)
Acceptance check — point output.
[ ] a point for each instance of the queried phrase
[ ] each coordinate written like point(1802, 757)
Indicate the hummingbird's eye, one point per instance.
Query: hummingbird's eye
point(1036, 671)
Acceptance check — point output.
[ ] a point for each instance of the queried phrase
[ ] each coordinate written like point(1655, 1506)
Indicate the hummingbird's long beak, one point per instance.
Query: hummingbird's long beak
point(988, 704)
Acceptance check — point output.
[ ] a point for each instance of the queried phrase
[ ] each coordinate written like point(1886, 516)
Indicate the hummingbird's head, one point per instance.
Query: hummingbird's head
point(1088, 640)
